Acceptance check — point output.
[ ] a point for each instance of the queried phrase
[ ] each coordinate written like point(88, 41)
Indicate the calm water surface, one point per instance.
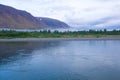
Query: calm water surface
point(60, 60)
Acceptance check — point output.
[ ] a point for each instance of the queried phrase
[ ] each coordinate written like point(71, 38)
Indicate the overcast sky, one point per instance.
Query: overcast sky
point(74, 12)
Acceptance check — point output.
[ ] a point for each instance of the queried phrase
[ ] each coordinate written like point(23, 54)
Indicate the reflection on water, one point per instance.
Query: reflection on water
point(60, 60)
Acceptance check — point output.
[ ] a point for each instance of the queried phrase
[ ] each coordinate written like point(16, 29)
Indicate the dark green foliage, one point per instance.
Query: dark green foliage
point(57, 34)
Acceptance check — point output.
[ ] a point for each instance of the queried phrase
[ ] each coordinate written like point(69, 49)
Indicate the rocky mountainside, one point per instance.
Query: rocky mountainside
point(19, 19)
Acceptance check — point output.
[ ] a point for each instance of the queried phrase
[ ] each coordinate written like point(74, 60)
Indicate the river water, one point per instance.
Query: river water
point(60, 60)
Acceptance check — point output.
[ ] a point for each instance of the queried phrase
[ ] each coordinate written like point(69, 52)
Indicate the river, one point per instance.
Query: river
point(60, 60)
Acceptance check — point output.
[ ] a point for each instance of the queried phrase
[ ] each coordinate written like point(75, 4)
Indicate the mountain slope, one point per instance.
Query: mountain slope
point(18, 19)
point(13, 18)
point(53, 23)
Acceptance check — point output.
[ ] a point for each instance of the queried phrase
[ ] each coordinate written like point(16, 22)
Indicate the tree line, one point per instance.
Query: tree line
point(57, 34)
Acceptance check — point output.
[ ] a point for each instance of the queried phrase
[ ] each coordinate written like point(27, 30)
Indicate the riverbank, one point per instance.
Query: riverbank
point(62, 35)
point(53, 39)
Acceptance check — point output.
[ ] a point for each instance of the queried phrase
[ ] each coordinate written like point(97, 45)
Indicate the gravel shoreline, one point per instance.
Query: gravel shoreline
point(53, 39)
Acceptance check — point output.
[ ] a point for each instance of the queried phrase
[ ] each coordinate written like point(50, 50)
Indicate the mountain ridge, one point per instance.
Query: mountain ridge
point(20, 19)
point(53, 23)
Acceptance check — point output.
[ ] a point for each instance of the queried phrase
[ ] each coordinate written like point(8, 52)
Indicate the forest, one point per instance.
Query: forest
point(58, 34)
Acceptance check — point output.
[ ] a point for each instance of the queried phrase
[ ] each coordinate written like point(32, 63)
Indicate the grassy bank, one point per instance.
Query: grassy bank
point(57, 34)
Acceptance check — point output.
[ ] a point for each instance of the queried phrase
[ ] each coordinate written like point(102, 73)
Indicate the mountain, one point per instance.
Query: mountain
point(19, 19)
point(13, 18)
point(53, 23)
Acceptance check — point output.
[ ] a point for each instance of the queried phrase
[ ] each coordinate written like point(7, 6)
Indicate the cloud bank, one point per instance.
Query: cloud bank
point(99, 13)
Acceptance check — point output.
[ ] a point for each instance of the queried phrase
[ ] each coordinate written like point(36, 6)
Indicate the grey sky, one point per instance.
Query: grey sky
point(74, 12)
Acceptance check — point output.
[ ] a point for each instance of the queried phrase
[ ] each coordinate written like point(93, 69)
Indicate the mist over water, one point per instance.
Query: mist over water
point(60, 60)
point(78, 28)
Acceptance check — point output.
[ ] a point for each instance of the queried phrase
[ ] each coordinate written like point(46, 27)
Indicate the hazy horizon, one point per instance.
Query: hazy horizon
point(76, 13)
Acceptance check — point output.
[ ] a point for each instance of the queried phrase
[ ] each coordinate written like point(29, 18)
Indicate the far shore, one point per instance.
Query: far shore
point(56, 39)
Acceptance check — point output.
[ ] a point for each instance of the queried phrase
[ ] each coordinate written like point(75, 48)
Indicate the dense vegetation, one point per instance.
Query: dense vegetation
point(57, 34)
